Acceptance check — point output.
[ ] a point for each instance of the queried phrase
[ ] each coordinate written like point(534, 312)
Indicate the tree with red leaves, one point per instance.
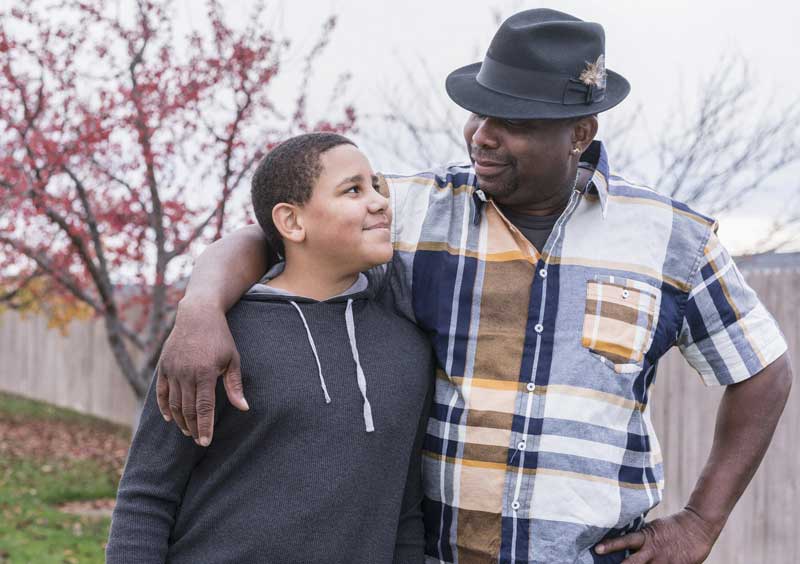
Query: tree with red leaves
point(110, 124)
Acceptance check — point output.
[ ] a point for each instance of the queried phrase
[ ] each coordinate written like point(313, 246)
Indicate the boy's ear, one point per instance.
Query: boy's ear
point(288, 222)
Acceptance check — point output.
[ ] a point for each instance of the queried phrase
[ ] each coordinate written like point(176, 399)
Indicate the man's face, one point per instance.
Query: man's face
point(347, 220)
point(522, 163)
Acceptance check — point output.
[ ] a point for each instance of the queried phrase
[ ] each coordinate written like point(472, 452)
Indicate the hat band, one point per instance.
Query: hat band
point(536, 86)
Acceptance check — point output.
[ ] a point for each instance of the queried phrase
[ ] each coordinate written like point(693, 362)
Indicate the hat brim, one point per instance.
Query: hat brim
point(465, 91)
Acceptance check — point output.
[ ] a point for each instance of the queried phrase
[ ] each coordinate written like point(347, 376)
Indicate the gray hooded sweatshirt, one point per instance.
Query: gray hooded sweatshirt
point(324, 467)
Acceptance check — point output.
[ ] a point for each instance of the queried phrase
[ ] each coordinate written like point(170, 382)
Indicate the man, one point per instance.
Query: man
point(550, 288)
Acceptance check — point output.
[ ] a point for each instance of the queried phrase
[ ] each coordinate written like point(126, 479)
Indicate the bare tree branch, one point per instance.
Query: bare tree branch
point(44, 263)
point(716, 155)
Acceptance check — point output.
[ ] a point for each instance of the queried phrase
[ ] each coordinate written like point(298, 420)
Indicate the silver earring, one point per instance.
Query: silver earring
point(575, 150)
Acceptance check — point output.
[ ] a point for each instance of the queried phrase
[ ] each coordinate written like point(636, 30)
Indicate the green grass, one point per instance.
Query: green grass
point(32, 529)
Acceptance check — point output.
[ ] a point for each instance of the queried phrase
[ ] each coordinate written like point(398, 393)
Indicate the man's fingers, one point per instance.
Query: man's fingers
point(189, 407)
point(162, 394)
point(233, 384)
point(631, 541)
point(176, 406)
point(205, 411)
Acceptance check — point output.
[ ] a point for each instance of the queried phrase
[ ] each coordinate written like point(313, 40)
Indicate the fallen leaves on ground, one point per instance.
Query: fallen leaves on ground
point(51, 441)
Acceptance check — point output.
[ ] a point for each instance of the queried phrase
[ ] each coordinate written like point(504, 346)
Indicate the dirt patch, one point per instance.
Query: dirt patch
point(95, 508)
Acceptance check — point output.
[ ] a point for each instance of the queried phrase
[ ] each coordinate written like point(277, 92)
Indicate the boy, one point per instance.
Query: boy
point(324, 467)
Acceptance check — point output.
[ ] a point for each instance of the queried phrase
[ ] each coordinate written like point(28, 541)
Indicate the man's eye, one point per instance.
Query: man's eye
point(517, 123)
point(510, 123)
point(353, 190)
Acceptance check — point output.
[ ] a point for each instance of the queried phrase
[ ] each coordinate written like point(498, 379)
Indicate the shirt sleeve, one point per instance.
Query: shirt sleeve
point(394, 278)
point(424, 207)
point(727, 334)
point(409, 545)
point(160, 461)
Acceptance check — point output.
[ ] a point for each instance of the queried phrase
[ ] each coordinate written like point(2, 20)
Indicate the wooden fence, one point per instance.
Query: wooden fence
point(78, 371)
point(765, 525)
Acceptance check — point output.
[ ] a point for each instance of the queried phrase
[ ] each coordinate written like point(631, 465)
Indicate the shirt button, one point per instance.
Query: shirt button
point(543, 273)
point(521, 445)
point(538, 328)
point(514, 505)
point(531, 386)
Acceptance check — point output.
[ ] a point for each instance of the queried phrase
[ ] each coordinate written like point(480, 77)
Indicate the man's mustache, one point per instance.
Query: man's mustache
point(483, 155)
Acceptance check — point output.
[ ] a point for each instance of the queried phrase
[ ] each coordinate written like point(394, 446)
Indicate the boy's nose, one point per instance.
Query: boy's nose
point(378, 203)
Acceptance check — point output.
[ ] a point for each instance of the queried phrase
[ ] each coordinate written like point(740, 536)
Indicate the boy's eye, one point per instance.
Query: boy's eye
point(353, 190)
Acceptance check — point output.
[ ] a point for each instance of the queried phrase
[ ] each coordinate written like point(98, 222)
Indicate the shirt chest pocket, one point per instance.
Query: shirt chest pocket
point(619, 320)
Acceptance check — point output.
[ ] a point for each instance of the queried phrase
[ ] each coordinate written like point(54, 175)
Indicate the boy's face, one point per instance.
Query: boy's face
point(347, 220)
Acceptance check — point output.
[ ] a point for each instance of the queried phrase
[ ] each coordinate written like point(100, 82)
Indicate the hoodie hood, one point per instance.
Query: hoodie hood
point(263, 292)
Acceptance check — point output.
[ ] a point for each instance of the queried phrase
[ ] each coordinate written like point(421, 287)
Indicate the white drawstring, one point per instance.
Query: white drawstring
point(362, 381)
point(316, 356)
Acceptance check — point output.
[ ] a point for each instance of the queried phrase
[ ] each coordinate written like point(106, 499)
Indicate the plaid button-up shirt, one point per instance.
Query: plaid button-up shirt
point(540, 441)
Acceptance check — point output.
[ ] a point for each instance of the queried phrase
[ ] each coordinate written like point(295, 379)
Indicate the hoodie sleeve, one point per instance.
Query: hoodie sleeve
point(160, 461)
point(409, 545)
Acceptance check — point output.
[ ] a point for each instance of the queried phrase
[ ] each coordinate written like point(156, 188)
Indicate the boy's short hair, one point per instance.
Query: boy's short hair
point(287, 175)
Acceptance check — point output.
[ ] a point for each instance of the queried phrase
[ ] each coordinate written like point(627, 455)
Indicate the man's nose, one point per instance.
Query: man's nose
point(486, 134)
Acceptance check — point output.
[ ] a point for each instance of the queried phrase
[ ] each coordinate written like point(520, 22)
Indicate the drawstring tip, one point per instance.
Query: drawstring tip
point(368, 416)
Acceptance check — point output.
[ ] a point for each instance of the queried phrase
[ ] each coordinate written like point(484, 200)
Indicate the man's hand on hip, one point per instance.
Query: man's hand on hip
point(199, 350)
point(682, 538)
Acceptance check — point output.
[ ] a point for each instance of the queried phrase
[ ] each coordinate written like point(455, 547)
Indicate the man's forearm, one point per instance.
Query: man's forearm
point(227, 268)
point(200, 347)
point(746, 420)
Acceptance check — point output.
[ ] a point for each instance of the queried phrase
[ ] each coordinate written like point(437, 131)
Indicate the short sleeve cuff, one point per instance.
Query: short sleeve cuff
point(739, 351)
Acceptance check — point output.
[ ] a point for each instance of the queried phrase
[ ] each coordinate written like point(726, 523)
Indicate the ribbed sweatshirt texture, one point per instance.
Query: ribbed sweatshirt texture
point(294, 479)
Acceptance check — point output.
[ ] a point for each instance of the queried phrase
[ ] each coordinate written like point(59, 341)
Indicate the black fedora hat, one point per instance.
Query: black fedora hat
point(541, 64)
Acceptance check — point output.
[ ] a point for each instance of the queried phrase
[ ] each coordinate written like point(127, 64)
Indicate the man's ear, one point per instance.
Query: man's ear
point(289, 222)
point(584, 131)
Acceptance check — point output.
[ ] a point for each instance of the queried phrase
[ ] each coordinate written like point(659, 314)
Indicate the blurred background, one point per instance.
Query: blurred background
point(129, 130)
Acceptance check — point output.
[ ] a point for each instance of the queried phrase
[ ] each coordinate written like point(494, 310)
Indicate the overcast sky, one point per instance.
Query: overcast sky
point(657, 45)
point(664, 49)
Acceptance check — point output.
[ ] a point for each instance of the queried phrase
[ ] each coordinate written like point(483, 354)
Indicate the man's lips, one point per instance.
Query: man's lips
point(486, 167)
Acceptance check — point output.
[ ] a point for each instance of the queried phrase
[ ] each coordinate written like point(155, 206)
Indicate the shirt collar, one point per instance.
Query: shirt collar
point(595, 158)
